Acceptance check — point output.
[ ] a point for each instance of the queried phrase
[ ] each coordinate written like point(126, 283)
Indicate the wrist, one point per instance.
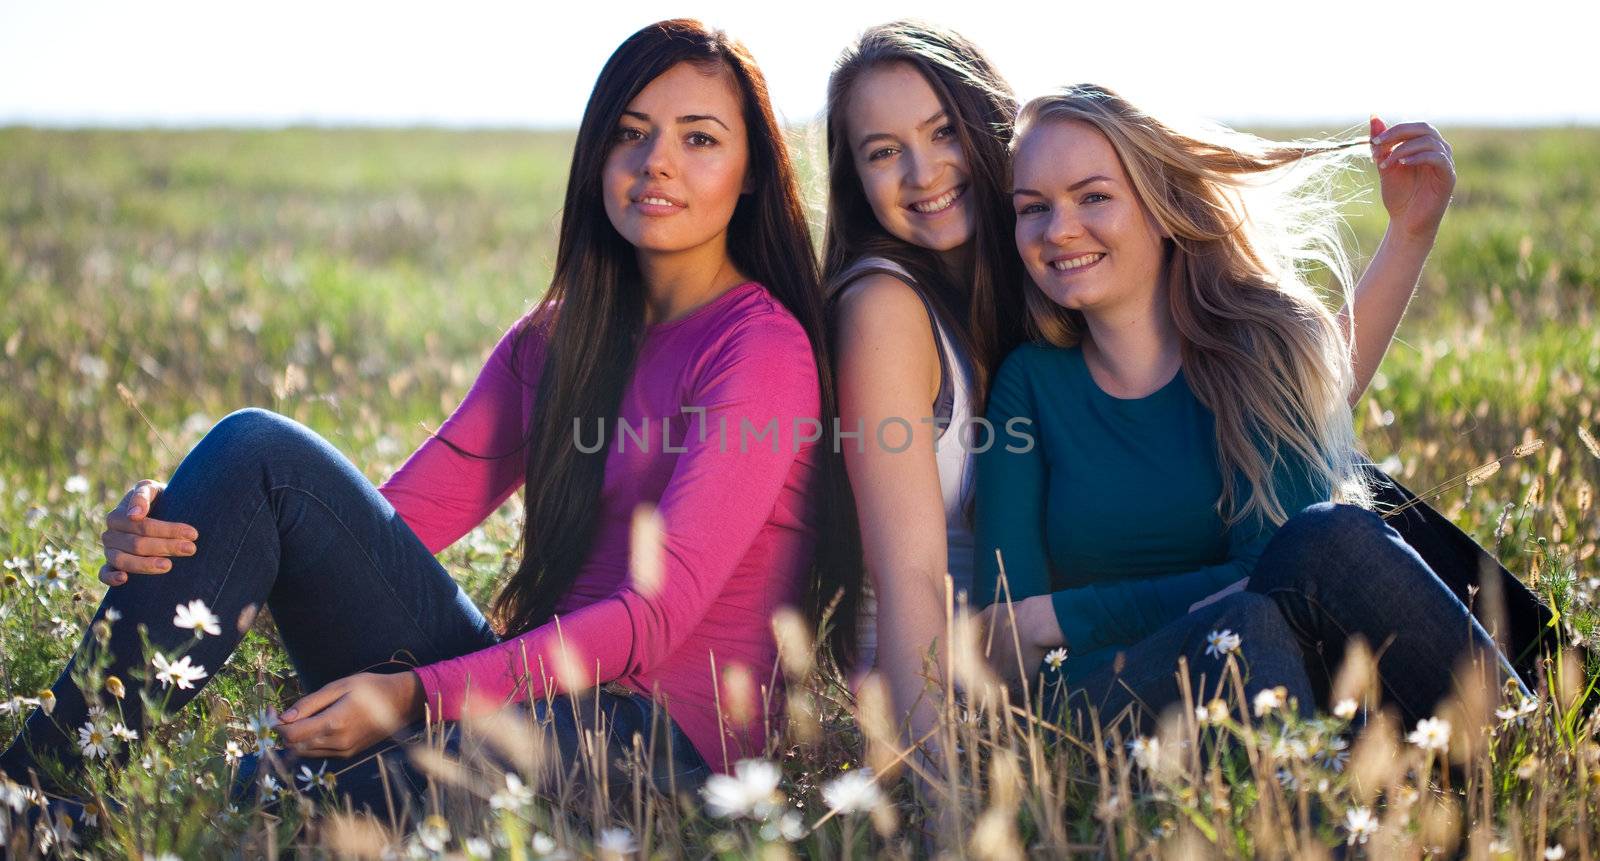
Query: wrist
point(412, 696)
point(1043, 628)
point(1416, 240)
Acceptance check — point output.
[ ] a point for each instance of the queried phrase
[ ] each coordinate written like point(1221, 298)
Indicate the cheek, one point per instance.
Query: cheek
point(876, 186)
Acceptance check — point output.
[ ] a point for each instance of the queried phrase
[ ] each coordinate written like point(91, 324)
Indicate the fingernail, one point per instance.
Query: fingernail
point(187, 548)
point(119, 579)
point(191, 534)
point(163, 565)
point(291, 714)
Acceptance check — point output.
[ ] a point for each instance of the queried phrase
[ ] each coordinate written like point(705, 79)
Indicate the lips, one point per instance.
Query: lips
point(1073, 262)
point(655, 202)
point(936, 205)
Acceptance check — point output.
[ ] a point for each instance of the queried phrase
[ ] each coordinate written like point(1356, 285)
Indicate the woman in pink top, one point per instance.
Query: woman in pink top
point(674, 364)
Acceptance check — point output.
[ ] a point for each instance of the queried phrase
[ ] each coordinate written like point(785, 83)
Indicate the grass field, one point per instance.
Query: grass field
point(152, 282)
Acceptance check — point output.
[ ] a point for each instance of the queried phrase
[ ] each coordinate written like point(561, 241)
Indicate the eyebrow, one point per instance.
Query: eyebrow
point(685, 119)
point(877, 136)
point(1073, 187)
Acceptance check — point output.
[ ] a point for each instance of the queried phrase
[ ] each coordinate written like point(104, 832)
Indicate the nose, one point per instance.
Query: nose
point(1064, 224)
point(657, 160)
point(924, 168)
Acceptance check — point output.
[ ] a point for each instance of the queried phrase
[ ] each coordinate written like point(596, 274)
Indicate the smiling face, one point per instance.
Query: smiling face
point(909, 158)
point(678, 162)
point(1085, 237)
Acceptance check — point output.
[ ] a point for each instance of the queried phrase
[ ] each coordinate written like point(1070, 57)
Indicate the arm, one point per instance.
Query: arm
point(441, 493)
point(888, 367)
point(712, 508)
point(1416, 175)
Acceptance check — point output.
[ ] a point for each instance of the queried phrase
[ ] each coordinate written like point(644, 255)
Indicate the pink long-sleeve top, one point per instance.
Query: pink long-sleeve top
point(734, 488)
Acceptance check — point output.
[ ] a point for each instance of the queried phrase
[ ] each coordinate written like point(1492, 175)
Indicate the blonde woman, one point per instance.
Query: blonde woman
point(1191, 470)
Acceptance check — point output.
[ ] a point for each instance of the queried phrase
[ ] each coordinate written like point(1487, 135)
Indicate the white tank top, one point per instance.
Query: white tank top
point(952, 450)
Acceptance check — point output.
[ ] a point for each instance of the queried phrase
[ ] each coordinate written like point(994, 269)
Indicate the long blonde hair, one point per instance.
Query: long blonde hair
point(1249, 219)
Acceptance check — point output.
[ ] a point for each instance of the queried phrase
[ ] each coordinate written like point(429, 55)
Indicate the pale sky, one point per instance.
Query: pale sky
point(479, 62)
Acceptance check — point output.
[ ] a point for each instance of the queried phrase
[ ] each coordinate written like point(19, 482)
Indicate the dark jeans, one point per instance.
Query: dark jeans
point(1332, 572)
point(287, 522)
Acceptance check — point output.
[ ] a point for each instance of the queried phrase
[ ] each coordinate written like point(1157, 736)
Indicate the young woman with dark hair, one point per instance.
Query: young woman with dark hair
point(685, 320)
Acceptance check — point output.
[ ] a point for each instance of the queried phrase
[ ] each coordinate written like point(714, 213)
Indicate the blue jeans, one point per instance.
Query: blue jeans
point(288, 523)
point(1331, 573)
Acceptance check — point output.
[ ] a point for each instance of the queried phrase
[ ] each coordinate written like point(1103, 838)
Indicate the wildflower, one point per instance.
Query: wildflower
point(55, 578)
point(180, 673)
point(261, 725)
point(16, 705)
point(34, 515)
point(62, 629)
point(47, 701)
point(476, 847)
point(65, 559)
point(92, 740)
point(113, 614)
point(232, 753)
point(1055, 658)
point(1519, 712)
point(1555, 853)
point(46, 558)
point(121, 731)
point(270, 788)
point(1146, 752)
point(853, 792)
point(1361, 823)
point(749, 791)
point(617, 841)
point(198, 617)
point(1287, 780)
point(1223, 642)
point(789, 827)
point(544, 846)
point(1270, 699)
point(321, 778)
point(434, 832)
point(1431, 734)
point(1345, 709)
point(1336, 755)
point(76, 484)
point(115, 688)
point(1214, 712)
point(19, 565)
point(515, 796)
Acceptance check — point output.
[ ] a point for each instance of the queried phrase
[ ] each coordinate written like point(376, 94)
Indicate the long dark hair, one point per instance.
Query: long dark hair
point(989, 318)
point(596, 297)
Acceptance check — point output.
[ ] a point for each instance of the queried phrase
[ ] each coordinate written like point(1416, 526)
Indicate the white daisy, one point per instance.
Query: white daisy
point(616, 841)
point(121, 731)
point(1361, 823)
point(749, 791)
point(1055, 658)
point(1223, 642)
point(76, 484)
point(1345, 709)
point(198, 617)
point(1146, 751)
point(1431, 734)
point(853, 792)
point(232, 753)
point(93, 741)
point(515, 796)
point(1270, 699)
point(180, 673)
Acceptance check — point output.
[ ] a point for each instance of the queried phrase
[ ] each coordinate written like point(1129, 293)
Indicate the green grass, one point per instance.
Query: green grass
point(354, 280)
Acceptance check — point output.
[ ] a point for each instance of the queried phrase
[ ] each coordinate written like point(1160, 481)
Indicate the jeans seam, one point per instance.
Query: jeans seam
point(371, 562)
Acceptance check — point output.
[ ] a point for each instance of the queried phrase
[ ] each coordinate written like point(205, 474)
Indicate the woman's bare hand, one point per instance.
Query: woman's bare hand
point(136, 543)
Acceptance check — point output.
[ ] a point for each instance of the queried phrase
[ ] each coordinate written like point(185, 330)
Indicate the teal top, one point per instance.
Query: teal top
point(1112, 509)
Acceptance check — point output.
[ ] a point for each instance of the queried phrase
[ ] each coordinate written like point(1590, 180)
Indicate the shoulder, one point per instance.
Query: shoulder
point(882, 309)
point(756, 338)
point(1038, 357)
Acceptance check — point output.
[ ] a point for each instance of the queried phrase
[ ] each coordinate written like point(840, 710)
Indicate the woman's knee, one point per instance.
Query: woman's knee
point(252, 433)
point(1321, 538)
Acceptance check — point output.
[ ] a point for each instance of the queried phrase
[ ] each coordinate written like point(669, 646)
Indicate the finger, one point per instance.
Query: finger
point(111, 576)
point(1375, 127)
point(1405, 131)
point(132, 564)
point(144, 495)
point(144, 545)
point(119, 521)
point(1430, 159)
point(1415, 146)
point(315, 701)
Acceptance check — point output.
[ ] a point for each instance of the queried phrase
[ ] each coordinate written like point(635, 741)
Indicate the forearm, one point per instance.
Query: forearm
point(1380, 302)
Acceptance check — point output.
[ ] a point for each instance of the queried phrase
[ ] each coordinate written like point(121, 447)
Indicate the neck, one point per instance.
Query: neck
point(678, 283)
point(1132, 349)
point(959, 261)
